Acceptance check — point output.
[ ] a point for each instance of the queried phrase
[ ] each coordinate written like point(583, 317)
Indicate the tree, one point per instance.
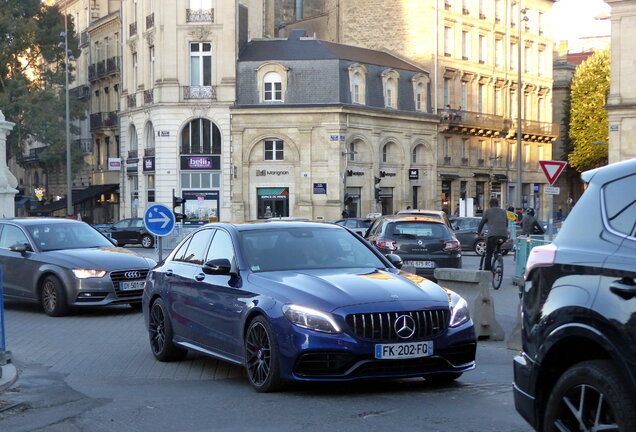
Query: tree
point(588, 117)
point(32, 76)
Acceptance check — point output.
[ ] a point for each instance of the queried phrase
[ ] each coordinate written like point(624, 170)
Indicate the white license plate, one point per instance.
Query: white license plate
point(404, 350)
point(420, 264)
point(131, 285)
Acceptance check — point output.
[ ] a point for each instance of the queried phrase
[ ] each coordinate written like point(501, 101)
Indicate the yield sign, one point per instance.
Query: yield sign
point(552, 169)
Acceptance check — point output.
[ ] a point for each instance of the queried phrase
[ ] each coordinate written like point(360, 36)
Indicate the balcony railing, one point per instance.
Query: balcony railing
point(539, 128)
point(150, 21)
point(132, 29)
point(33, 155)
point(84, 39)
point(133, 154)
point(199, 92)
point(148, 96)
point(199, 15)
point(473, 120)
point(131, 100)
point(113, 64)
point(104, 120)
point(149, 151)
point(81, 92)
point(101, 68)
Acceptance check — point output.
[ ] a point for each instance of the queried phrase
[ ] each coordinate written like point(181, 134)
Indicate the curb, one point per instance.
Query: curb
point(8, 376)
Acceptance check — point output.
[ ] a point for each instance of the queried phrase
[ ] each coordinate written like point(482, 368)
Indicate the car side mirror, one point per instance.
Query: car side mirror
point(455, 227)
point(219, 266)
point(395, 260)
point(113, 241)
point(21, 248)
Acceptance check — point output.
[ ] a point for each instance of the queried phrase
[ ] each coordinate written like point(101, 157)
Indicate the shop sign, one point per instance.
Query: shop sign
point(149, 163)
point(200, 162)
point(131, 164)
point(387, 174)
point(352, 173)
point(414, 174)
point(39, 193)
point(114, 164)
point(266, 172)
point(320, 188)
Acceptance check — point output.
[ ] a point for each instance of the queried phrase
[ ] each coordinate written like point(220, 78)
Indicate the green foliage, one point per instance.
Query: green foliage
point(32, 76)
point(588, 117)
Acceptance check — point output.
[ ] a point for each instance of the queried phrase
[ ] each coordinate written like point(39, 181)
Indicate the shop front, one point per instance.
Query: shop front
point(272, 202)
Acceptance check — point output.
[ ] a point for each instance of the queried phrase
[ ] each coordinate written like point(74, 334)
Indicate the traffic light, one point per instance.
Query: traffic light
point(176, 203)
point(377, 194)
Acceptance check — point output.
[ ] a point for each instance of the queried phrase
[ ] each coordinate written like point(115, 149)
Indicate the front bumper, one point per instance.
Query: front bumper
point(311, 356)
point(524, 388)
point(103, 291)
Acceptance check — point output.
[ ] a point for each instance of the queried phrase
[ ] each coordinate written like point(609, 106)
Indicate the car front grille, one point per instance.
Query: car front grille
point(324, 363)
point(121, 276)
point(380, 326)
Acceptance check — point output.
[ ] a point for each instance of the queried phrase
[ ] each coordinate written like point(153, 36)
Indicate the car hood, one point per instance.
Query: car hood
point(102, 258)
point(330, 289)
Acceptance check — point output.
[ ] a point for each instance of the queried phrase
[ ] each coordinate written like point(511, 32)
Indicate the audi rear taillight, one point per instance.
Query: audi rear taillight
point(540, 256)
point(451, 245)
point(386, 244)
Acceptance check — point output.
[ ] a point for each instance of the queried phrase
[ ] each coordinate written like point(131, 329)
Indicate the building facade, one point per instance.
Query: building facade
point(476, 52)
point(322, 130)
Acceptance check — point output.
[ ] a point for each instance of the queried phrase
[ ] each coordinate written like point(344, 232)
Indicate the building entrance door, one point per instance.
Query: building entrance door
point(273, 202)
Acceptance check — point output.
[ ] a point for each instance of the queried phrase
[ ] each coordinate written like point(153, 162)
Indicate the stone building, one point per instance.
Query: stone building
point(475, 51)
point(321, 128)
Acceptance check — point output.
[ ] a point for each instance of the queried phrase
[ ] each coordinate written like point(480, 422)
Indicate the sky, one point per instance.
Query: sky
point(573, 19)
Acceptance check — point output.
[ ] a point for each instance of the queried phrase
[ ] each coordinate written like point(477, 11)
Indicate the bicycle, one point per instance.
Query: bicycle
point(497, 265)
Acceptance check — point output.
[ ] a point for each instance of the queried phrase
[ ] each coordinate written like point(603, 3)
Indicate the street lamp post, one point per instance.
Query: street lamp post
point(69, 186)
point(519, 183)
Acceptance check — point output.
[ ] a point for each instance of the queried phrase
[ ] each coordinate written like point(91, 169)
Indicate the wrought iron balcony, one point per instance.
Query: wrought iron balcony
point(113, 64)
point(81, 92)
point(148, 96)
point(149, 151)
point(535, 131)
point(104, 120)
point(132, 29)
point(101, 68)
point(33, 155)
point(84, 144)
point(92, 72)
point(472, 123)
point(199, 15)
point(199, 92)
point(131, 100)
point(133, 154)
point(150, 21)
point(84, 38)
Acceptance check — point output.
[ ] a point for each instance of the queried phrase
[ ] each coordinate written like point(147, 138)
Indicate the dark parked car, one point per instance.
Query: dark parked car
point(64, 263)
point(130, 231)
point(357, 225)
point(423, 242)
point(577, 370)
point(303, 301)
point(465, 229)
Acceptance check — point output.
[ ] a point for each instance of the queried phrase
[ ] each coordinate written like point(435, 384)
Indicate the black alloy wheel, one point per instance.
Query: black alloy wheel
point(147, 241)
point(161, 334)
point(261, 356)
point(53, 297)
point(589, 397)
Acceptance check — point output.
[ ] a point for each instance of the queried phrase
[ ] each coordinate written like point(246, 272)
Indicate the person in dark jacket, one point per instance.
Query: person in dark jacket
point(529, 224)
point(497, 221)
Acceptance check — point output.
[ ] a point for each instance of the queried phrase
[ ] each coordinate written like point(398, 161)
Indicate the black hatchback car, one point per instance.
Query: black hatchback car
point(130, 231)
point(422, 242)
point(577, 370)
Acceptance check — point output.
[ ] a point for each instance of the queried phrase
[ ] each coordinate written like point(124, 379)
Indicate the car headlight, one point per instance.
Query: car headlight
point(89, 273)
point(459, 310)
point(310, 319)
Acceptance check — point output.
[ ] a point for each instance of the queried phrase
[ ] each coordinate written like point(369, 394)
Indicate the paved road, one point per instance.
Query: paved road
point(93, 371)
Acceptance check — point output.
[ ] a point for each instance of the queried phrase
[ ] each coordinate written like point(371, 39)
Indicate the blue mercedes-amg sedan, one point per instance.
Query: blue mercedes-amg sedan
point(303, 301)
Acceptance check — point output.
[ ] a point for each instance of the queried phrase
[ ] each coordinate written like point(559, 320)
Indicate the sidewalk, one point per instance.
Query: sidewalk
point(8, 372)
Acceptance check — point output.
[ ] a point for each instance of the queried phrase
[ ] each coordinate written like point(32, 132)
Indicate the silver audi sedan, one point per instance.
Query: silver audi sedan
point(64, 263)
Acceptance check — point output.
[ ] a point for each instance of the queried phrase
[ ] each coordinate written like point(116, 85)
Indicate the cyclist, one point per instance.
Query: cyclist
point(529, 224)
point(497, 220)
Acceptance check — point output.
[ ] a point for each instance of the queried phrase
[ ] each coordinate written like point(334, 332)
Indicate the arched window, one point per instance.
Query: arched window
point(272, 87)
point(357, 83)
point(419, 97)
point(200, 136)
point(132, 140)
point(150, 136)
point(414, 156)
point(385, 153)
point(390, 93)
point(356, 88)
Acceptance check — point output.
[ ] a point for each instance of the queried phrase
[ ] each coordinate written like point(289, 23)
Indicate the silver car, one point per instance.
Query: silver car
point(64, 263)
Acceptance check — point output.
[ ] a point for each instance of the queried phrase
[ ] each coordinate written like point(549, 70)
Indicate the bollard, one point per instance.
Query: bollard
point(5, 356)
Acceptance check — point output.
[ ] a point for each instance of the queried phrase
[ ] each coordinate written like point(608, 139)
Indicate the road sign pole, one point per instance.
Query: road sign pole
point(160, 244)
point(550, 213)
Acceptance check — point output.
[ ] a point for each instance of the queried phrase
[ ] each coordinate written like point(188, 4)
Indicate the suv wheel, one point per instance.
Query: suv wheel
point(480, 246)
point(147, 241)
point(590, 396)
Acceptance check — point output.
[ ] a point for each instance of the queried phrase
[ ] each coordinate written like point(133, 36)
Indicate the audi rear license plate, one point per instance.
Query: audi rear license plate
point(131, 285)
point(404, 350)
point(420, 264)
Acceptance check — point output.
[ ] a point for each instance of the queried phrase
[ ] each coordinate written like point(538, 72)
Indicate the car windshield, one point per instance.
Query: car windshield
point(416, 229)
point(305, 248)
point(58, 236)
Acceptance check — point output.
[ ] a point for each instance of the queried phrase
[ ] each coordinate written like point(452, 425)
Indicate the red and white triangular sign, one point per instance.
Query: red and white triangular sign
point(552, 169)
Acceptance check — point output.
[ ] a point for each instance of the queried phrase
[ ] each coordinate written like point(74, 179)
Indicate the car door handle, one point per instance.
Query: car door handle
point(200, 277)
point(168, 273)
point(623, 290)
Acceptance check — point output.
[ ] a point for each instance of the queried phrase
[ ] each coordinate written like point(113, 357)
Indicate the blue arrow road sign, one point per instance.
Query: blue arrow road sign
point(159, 220)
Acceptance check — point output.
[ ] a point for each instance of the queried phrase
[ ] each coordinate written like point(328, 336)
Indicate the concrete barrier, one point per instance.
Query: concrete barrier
point(474, 286)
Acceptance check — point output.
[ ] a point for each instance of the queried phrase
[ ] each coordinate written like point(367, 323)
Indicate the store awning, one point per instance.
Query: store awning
point(481, 174)
point(78, 197)
point(449, 176)
point(501, 177)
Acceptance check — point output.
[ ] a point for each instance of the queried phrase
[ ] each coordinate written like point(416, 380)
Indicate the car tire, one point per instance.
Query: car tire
point(442, 378)
point(262, 362)
point(480, 247)
point(576, 395)
point(147, 241)
point(160, 333)
point(53, 297)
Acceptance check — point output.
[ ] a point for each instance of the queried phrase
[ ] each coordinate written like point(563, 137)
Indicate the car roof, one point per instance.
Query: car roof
point(423, 211)
point(39, 220)
point(267, 224)
point(610, 172)
point(412, 218)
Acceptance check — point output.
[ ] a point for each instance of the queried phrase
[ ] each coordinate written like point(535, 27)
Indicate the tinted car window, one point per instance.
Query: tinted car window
point(66, 236)
point(417, 229)
point(137, 223)
point(180, 253)
point(221, 247)
point(198, 247)
point(12, 235)
point(125, 223)
point(620, 204)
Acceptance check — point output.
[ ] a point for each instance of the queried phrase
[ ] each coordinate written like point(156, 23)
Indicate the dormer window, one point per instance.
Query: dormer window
point(390, 82)
point(272, 87)
point(357, 80)
point(420, 86)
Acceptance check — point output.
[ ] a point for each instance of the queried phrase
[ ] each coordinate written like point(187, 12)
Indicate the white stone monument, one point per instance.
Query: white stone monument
point(8, 182)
